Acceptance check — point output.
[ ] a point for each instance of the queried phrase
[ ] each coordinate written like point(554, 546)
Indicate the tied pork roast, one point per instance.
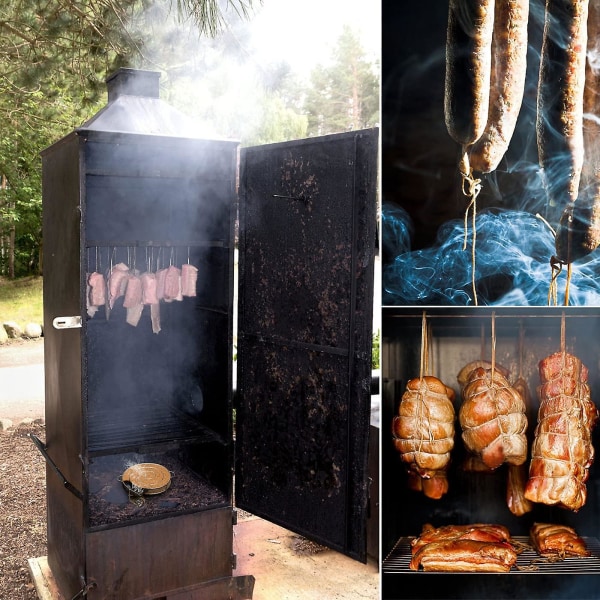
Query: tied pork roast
point(423, 433)
point(562, 450)
point(493, 419)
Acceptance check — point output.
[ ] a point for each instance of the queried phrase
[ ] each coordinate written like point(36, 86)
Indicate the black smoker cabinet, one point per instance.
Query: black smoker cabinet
point(135, 189)
point(119, 394)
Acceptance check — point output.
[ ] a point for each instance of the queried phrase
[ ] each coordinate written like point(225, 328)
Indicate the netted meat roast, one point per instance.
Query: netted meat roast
point(562, 450)
point(493, 419)
point(423, 433)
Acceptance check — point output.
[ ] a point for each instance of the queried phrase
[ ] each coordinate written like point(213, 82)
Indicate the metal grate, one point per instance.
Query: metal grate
point(126, 428)
point(528, 562)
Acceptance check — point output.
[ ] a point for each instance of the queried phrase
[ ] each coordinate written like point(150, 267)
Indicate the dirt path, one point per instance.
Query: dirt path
point(22, 511)
point(22, 380)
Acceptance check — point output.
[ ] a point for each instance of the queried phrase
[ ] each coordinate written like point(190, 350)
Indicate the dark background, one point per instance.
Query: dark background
point(419, 165)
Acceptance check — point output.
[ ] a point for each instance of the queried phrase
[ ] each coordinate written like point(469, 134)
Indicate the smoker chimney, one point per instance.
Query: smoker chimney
point(134, 106)
point(132, 82)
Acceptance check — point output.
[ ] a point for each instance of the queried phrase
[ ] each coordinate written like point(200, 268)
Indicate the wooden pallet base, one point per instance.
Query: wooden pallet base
point(43, 580)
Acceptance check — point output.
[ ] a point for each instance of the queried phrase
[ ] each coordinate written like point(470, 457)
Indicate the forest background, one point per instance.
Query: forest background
point(215, 66)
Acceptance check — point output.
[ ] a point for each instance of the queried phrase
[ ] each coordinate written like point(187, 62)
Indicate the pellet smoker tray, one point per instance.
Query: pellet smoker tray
point(135, 186)
point(523, 337)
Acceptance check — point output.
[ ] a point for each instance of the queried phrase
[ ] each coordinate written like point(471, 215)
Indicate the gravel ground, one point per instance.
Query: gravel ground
point(22, 510)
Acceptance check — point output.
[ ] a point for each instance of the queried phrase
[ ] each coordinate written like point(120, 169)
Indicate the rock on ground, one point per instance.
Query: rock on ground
point(13, 329)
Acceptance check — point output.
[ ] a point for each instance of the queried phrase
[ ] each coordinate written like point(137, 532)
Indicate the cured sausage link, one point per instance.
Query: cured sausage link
point(508, 71)
point(468, 68)
point(560, 98)
point(578, 232)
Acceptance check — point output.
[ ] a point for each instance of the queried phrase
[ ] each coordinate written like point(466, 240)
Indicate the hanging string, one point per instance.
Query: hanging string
point(423, 365)
point(521, 348)
point(493, 344)
point(556, 267)
point(568, 283)
point(563, 329)
point(429, 349)
point(471, 188)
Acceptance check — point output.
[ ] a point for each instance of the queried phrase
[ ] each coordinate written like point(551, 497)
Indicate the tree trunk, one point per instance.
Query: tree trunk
point(8, 242)
point(11, 247)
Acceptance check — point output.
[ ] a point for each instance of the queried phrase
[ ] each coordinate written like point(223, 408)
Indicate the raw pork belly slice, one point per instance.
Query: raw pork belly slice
point(117, 282)
point(189, 276)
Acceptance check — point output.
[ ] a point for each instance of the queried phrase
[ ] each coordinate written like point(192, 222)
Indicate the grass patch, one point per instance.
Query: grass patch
point(21, 300)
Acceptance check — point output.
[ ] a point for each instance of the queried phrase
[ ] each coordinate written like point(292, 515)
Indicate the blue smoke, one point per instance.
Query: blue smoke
point(512, 264)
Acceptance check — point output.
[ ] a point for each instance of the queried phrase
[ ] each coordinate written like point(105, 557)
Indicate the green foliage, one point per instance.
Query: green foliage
point(208, 15)
point(345, 95)
point(55, 56)
point(375, 357)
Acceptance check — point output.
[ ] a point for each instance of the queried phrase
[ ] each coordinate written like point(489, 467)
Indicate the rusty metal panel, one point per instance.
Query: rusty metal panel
point(307, 245)
point(143, 560)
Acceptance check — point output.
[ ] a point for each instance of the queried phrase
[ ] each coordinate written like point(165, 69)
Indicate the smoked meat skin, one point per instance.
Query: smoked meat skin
point(562, 450)
point(423, 433)
point(463, 548)
point(493, 419)
point(557, 540)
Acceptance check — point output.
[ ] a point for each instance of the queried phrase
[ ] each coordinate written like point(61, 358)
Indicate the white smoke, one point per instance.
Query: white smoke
point(221, 81)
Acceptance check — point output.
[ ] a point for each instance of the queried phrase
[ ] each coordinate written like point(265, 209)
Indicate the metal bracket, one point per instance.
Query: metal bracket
point(44, 450)
point(67, 322)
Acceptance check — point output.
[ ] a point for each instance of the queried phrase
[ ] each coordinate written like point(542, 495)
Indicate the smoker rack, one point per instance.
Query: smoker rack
point(528, 561)
point(156, 425)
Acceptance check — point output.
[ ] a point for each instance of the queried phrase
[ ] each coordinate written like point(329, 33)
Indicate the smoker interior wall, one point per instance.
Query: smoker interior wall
point(150, 205)
point(457, 340)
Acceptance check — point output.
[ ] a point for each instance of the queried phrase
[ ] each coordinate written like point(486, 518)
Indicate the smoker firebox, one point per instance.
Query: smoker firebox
point(134, 191)
point(523, 337)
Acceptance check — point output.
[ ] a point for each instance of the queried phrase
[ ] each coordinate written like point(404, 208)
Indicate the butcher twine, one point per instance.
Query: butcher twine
point(471, 188)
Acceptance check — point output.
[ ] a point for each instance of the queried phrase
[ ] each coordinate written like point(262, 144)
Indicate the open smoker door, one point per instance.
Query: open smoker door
point(306, 255)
